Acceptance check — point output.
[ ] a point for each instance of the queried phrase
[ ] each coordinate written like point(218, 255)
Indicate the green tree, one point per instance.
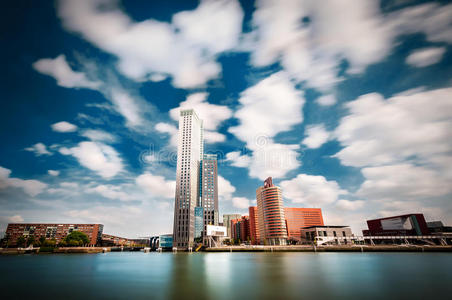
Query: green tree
point(76, 238)
point(42, 240)
point(20, 241)
point(31, 240)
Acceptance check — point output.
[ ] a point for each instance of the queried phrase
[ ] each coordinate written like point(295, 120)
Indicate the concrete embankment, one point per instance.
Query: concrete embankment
point(356, 248)
point(15, 251)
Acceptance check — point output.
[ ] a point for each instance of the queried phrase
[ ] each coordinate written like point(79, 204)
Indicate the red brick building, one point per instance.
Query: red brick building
point(254, 226)
point(300, 217)
point(240, 229)
point(52, 231)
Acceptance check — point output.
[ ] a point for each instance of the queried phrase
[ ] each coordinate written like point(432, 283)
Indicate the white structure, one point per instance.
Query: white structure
point(216, 235)
point(189, 154)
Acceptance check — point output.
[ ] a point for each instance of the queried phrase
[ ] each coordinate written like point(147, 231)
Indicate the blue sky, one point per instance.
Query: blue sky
point(349, 111)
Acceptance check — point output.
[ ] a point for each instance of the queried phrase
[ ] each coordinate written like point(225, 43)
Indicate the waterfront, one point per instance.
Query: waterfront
point(129, 275)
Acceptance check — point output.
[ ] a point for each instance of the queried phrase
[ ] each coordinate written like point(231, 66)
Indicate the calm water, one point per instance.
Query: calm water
point(227, 276)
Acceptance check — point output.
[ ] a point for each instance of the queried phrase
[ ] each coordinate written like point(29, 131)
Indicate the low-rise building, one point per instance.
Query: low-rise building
point(406, 225)
point(227, 221)
point(329, 234)
point(52, 231)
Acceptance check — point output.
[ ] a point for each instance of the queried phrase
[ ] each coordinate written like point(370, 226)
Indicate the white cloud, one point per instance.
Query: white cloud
point(156, 186)
point(350, 205)
point(313, 52)
point(39, 149)
point(238, 160)
point(16, 219)
point(425, 57)
point(169, 129)
point(64, 127)
point(110, 191)
point(97, 157)
point(311, 190)
point(211, 114)
point(59, 69)
point(316, 136)
point(225, 189)
point(157, 77)
point(326, 100)
point(127, 106)
point(96, 135)
point(69, 185)
point(53, 172)
point(382, 131)
point(271, 106)
point(241, 202)
point(31, 187)
point(186, 48)
point(403, 182)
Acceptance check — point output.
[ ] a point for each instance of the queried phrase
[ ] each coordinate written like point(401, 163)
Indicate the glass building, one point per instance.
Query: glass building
point(199, 221)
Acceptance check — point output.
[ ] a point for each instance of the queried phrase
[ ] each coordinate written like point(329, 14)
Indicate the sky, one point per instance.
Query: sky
point(346, 104)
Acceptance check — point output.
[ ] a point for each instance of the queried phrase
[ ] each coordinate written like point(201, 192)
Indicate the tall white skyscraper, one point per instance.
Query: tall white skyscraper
point(189, 154)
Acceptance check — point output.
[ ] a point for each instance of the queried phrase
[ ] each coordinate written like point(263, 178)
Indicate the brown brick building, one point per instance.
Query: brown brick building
point(52, 231)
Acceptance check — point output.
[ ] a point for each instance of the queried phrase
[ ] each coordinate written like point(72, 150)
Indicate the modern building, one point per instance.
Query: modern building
point(199, 221)
point(254, 225)
point(271, 220)
point(437, 227)
point(208, 191)
point(52, 231)
point(240, 229)
point(337, 235)
point(166, 241)
point(189, 154)
point(227, 221)
point(298, 218)
point(410, 225)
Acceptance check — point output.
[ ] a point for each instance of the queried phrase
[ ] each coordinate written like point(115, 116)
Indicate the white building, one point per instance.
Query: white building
point(189, 154)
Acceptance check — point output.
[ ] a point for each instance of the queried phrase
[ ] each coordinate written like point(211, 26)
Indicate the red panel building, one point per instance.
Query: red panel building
point(300, 217)
point(254, 226)
point(240, 229)
point(411, 224)
point(52, 231)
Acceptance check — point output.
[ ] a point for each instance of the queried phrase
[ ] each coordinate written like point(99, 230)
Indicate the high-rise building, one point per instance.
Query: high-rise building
point(300, 217)
point(270, 213)
point(189, 154)
point(208, 190)
point(227, 221)
point(254, 225)
point(240, 229)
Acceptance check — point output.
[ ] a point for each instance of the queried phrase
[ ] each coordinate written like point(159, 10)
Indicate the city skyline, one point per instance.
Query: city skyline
point(350, 113)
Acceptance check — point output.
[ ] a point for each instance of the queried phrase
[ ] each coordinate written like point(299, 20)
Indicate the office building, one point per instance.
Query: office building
point(336, 235)
point(208, 190)
point(227, 221)
point(189, 154)
point(437, 227)
point(52, 231)
point(254, 232)
point(270, 213)
point(240, 229)
point(410, 224)
point(300, 217)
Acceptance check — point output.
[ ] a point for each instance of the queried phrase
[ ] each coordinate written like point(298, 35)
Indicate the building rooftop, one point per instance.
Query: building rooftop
point(327, 226)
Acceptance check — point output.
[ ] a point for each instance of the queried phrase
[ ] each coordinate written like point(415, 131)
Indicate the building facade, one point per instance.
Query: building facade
point(52, 231)
point(254, 225)
point(208, 190)
point(189, 154)
point(199, 221)
point(227, 222)
point(270, 211)
point(300, 217)
point(240, 230)
point(336, 235)
point(410, 224)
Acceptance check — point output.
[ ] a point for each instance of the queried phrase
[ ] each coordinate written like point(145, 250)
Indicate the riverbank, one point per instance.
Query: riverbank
point(15, 251)
point(355, 248)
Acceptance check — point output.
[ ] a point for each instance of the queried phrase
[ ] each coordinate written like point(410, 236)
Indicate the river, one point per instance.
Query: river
point(132, 275)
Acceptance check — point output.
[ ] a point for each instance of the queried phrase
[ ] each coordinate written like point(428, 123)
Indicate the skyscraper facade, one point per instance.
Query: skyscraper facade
point(270, 211)
point(189, 154)
point(254, 226)
point(208, 190)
